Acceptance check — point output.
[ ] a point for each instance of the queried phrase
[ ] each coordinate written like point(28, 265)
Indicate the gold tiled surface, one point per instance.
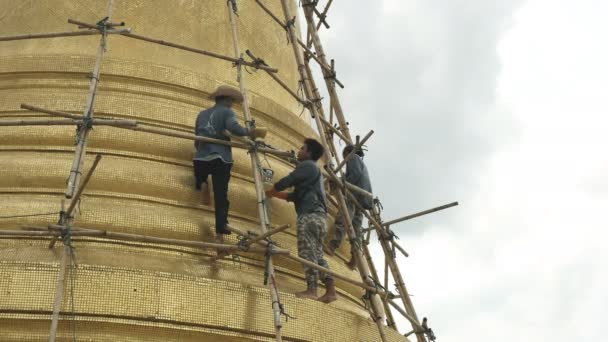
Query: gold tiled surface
point(131, 291)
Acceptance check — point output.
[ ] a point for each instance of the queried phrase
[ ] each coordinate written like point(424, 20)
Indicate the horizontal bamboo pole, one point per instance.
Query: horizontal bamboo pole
point(51, 112)
point(181, 47)
point(164, 241)
point(67, 122)
point(278, 153)
point(315, 266)
point(49, 35)
point(268, 233)
point(199, 51)
point(135, 126)
point(422, 213)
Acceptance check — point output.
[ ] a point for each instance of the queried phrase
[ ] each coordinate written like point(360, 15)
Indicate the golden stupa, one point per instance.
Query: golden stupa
point(127, 291)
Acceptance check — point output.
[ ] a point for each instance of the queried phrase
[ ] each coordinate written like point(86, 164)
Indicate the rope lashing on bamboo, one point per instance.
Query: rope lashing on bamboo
point(289, 23)
point(235, 9)
point(86, 124)
point(268, 255)
point(425, 330)
point(282, 311)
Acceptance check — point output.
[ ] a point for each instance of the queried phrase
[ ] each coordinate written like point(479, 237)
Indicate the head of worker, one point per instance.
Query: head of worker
point(310, 150)
point(226, 96)
point(349, 148)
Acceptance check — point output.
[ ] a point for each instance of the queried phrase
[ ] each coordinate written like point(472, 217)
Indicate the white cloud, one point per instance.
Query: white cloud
point(507, 113)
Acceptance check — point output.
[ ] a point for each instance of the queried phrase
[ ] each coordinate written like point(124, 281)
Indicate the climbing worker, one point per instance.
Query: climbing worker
point(356, 174)
point(309, 199)
point(216, 160)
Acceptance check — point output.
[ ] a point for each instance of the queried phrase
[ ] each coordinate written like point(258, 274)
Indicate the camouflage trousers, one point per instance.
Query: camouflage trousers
point(311, 233)
point(340, 231)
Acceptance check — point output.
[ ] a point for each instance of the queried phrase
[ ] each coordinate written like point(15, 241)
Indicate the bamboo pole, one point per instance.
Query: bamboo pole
point(308, 11)
point(335, 130)
point(377, 309)
point(324, 13)
point(49, 35)
point(390, 321)
point(421, 213)
point(137, 126)
point(268, 234)
point(321, 64)
point(65, 256)
point(371, 289)
point(354, 151)
point(106, 234)
point(83, 133)
point(68, 213)
point(66, 122)
point(51, 112)
point(257, 177)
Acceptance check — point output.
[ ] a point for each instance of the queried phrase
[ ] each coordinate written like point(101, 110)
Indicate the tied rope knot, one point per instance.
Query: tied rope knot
point(282, 311)
point(269, 252)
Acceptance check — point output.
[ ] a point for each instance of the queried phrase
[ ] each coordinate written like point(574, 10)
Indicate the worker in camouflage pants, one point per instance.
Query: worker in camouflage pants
point(311, 233)
point(309, 199)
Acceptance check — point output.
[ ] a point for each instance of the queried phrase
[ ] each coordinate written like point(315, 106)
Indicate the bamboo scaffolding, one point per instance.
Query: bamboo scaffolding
point(83, 133)
point(50, 35)
point(138, 126)
point(353, 152)
point(256, 170)
point(66, 122)
point(65, 258)
point(383, 237)
point(364, 286)
point(421, 213)
point(309, 8)
point(268, 234)
point(324, 14)
point(68, 213)
point(377, 309)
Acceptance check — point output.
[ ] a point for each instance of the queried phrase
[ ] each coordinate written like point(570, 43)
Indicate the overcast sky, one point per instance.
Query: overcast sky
point(500, 105)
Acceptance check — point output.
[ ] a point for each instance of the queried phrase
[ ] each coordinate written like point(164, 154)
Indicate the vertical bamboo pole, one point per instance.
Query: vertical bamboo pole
point(81, 146)
point(396, 273)
point(59, 289)
point(331, 87)
point(377, 309)
point(259, 189)
point(390, 321)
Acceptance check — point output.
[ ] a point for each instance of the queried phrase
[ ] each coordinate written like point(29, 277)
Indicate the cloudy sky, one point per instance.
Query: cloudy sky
point(500, 105)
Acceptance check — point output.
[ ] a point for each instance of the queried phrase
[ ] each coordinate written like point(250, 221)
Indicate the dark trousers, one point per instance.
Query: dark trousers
point(220, 176)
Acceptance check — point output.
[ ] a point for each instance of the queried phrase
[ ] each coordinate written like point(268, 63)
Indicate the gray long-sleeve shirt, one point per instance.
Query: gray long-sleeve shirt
point(356, 174)
point(211, 123)
point(309, 194)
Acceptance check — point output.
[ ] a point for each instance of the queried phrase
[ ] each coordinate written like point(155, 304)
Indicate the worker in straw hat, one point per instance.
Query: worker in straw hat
point(215, 160)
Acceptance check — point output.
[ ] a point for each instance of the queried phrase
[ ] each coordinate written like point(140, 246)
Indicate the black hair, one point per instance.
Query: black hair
point(349, 148)
point(315, 148)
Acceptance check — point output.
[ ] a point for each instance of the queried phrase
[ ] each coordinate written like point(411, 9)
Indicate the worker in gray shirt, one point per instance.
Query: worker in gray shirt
point(309, 199)
point(356, 174)
point(215, 160)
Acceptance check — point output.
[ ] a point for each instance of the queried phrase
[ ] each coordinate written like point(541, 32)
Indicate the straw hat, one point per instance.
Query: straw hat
point(228, 91)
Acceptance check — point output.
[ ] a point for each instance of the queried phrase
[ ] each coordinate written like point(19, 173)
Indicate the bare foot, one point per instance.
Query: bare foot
point(328, 297)
point(329, 250)
point(310, 294)
point(352, 263)
point(219, 238)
